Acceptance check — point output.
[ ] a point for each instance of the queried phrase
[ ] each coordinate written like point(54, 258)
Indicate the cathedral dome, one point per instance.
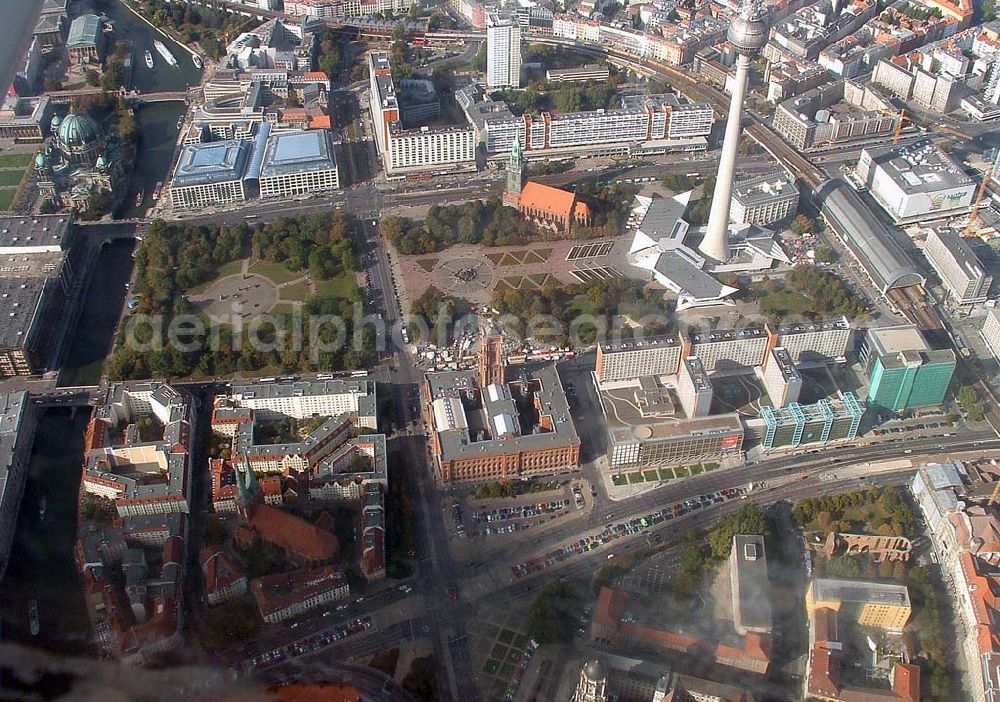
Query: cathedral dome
point(41, 160)
point(78, 131)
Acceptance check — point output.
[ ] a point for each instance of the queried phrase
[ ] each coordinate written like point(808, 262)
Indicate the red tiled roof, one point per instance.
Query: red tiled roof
point(906, 682)
point(824, 672)
point(547, 199)
point(824, 625)
point(294, 534)
point(219, 569)
point(319, 122)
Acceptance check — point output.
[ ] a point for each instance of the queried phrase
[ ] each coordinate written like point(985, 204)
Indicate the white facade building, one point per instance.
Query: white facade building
point(730, 348)
point(958, 267)
point(916, 182)
point(503, 52)
point(763, 199)
point(694, 388)
point(812, 342)
point(305, 399)
point(991, 332)
point(780, 378)
point(626, 360)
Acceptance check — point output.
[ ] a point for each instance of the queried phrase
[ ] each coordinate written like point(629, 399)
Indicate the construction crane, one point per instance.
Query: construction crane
point(974, 212)
point(899, 127)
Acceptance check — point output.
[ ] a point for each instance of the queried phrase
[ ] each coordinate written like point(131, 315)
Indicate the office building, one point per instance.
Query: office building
point(810, 343)
point(210, 174)
point(37, 276)
point(298, 162)
point(694, 388)
point(304, 399)
point(910, 78)
point(641, 122)
point(17, 431)
point(916, 182)
point(636, 440)
point(749, 584)
point(503, 52)
point(867, 604)
point(418, 102)
point(834, 113)
point(904, 372)
point(748, 32)
point(764, 198)
point(340, 9)
point(579, 74)
point(487, 425)
point(795, 424)
point(991, 331)
point(780, 377)
point(729, 349)
point(959, 268)
point(413, 151)
point(625, 360)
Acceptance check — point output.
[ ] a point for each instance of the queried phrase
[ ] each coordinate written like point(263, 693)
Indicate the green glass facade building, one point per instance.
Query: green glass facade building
point(911, 379)
point(819, 423)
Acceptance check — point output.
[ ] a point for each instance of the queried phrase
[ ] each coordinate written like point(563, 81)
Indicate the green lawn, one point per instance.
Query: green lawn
point(231, 268)
point(282, 308)
point(634, 478)
point(297, 292)
point(275, 271)
point(710, 466)
point(6, 198)
point(10, 177)
point(16, 160)
point(666, 474)
point(695, 469)
point(619, 480)
point(341, 286)
point(651, 475)
point(491, 667)
point(681, 471)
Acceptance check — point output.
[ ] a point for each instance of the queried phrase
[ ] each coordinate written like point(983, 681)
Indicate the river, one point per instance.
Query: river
point(94, 334)
point(41, 565)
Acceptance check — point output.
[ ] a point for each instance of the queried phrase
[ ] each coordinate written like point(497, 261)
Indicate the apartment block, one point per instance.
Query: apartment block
point(967, 281)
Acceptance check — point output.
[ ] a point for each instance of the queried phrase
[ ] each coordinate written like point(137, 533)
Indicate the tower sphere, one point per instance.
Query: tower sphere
point(748, 32)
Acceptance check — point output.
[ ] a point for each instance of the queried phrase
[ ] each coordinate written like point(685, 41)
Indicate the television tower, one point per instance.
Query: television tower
point(748, 34)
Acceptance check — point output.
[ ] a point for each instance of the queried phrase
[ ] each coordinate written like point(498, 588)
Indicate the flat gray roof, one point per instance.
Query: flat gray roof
point(12, 410)
point(640, 344)
point(867, 237)
point(887, 341)
point(960, 252)
point(860, 592)
point(752, 605)
point(661, 218)
point(765, 187)
point(298, 152)
point(214, 162)
point(919, 167)
point(694, 281)
point(21, 234)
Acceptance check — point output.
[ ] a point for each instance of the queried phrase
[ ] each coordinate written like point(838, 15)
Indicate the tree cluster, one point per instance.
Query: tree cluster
point(886, 511)
point(827, 289)
point(558, 97)
point(421, 680)
point(748, 519)
point(328, 54)
point(175, 258)
point(196, 24)
point(565, 303)
point(553, 615)
point(968, 398)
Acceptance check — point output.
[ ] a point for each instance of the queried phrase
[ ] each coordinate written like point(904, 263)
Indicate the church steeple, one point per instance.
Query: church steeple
point(248, 492)
point(515, 174)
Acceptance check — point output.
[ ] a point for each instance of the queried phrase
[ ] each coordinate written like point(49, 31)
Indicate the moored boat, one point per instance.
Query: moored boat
point(33, 618)
point(164, 52)
point(149, 59)
point(196, 59)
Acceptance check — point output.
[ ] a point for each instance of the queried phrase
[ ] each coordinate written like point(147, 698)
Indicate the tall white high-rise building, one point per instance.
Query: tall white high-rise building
point(503, 52)
point(748, 34)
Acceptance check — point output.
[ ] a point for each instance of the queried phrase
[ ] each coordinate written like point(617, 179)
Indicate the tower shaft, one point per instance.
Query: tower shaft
point(716, 241)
